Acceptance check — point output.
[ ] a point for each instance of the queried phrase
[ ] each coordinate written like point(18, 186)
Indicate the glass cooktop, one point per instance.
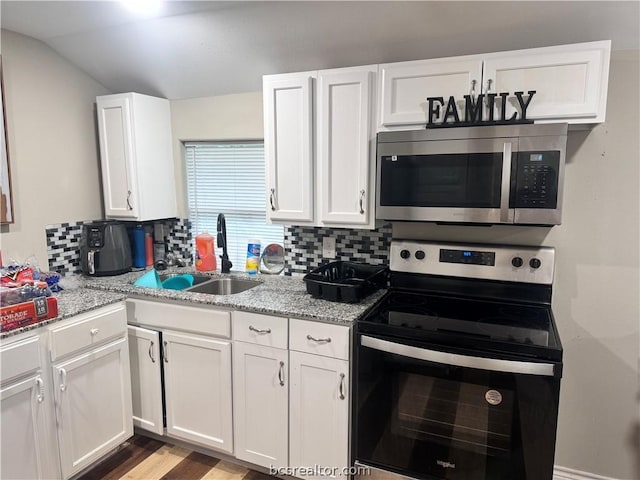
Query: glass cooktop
point(418, 314)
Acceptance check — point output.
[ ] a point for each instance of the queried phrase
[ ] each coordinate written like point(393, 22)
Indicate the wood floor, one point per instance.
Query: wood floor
point(144, 458)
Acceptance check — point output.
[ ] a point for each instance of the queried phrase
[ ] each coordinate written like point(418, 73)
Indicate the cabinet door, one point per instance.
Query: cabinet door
point(116, 157)
point(405, 86)
point(570, 81)
point(197, 374)
point(345, 106)
point(146, 380)
point(93, 399)
point(261, 407)
point(26, 451)
point(319, 412)
point(288, 139)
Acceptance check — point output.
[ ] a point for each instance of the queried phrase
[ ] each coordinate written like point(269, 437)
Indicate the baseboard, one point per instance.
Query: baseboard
point(563, 473)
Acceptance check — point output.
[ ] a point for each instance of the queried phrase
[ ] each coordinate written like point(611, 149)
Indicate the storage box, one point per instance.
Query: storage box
point(27, 313)
point(346, 281)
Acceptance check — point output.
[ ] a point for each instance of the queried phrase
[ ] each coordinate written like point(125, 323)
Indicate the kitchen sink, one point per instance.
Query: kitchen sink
point(224, 286)
point(197, 279)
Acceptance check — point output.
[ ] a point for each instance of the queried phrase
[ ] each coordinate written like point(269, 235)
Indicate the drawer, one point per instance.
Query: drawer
point(319, 338)
point(261, 329)
point(20, 358)
point(160, 315)
point(89, 329)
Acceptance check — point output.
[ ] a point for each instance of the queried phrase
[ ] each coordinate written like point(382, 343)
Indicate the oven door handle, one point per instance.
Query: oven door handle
point(482, 363)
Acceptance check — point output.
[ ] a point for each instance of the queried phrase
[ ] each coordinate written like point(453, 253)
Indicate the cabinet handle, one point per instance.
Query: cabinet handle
point(63, 379)
point(164, 352)
point(361, 202)
point(489, 82)
point(257, 330)
point(319, 340)
point(472, 92)
point(151, 351)
point(281, 374)
point(40, 385)
point(94, 331)
point(272, 197)
point(128, 202)
point(342, 386)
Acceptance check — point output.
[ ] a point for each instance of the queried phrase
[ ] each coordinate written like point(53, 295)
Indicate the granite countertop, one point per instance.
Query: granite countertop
point(276, 295)
point(73, 302)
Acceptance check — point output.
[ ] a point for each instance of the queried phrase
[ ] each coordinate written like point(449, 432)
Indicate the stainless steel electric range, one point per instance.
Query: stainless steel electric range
point(457, 369)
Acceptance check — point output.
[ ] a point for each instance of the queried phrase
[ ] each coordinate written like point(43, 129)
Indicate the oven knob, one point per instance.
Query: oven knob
point(405, 254)
point(535, 263)
point(517, 262)
point(420, 255)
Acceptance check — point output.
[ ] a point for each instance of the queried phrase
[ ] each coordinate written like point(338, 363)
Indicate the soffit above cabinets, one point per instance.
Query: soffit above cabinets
point(204, 48)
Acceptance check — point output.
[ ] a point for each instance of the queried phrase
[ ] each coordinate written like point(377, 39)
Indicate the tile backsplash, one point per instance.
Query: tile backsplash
point(63, 246)
point(303, 246)
point(63, 243)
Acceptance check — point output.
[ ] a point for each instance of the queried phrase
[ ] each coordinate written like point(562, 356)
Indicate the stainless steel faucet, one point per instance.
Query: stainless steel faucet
point(222, 243)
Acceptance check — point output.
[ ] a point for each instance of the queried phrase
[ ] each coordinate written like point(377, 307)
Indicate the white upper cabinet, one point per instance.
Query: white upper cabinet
point(288, 141)
point(570, 81)
point(136, 157)
point(320, 146)
point(405, 86)
point(345, 144)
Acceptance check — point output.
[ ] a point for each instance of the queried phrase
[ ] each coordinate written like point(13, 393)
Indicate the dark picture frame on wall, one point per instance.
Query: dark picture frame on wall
point(6, 199)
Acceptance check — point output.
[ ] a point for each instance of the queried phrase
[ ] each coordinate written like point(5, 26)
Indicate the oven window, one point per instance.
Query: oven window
point(444, 180)
point(471, 417)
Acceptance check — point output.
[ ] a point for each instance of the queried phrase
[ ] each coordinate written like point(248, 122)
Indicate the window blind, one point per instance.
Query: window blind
point(229, 178)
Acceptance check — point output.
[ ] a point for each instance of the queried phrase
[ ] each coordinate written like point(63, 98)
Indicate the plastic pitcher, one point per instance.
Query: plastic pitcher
point(205, 253)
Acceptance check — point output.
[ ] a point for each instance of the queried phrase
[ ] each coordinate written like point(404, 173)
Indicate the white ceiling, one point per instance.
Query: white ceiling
point(202, 48)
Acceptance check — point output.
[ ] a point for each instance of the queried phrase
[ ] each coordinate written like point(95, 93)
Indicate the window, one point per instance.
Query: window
point(229, 178)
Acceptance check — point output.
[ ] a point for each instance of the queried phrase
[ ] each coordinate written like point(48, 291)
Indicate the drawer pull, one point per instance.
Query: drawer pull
point(257, 330)
point(281, 374)
point(319, 340)
point(63, 379)
point(94, 331)
point(151, 352)
point(342, 386)
point(40, 385)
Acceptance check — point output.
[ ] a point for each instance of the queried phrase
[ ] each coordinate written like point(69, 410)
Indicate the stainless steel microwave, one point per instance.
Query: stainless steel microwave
point(506, 174)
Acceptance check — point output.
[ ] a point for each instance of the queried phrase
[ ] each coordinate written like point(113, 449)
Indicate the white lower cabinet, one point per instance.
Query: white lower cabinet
point(93, 400)
point(146, 379)
point(26, 408)
point(261, 406)
point(319, 413)
point(197, 374)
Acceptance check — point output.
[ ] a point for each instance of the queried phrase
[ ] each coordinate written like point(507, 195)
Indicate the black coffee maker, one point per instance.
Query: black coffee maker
point(105, 249)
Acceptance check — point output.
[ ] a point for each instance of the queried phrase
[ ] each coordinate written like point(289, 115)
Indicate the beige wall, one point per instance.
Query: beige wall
point(596, 290)
point(227, 117)
point(52, 141)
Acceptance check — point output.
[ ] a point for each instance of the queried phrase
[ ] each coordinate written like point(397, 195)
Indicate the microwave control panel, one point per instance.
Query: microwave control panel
point(535, 183)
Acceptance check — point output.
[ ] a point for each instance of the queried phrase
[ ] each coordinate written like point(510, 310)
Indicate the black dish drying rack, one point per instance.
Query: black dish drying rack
point(347, 282)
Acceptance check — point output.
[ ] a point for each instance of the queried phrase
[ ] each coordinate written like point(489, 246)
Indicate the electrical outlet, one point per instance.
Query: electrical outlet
point(328, 247)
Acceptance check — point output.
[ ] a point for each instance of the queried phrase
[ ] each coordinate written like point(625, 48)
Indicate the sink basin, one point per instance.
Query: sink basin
point(224, 286)
point(197, 279)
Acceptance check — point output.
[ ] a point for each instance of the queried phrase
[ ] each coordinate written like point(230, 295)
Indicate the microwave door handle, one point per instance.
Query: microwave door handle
point(506, 214)
point(445, 358)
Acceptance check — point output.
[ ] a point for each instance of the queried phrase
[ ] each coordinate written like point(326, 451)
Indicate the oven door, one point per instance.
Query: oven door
point(446, 180)
point(432, 414)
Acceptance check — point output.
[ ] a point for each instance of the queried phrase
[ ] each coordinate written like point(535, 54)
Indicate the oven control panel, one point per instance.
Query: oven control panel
point(491, 262)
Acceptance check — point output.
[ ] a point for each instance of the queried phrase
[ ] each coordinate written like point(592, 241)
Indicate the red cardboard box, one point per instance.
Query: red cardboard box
point(27, 313)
